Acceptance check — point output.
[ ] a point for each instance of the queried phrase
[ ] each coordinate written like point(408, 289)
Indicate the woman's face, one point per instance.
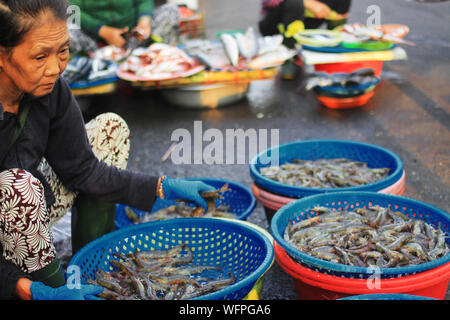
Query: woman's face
point(34, 65)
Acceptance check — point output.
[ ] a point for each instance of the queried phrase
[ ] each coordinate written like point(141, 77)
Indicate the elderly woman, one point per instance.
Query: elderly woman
point(46, 158)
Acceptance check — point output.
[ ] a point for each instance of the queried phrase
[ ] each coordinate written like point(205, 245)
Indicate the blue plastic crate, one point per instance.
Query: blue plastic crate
point(299, 210)
point(350, 91)
point(375, 156)
point(236, 247)
point(240, 199)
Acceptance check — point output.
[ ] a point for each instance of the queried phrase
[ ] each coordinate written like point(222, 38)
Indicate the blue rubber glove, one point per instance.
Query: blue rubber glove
point(176, 189)
point(42, 292)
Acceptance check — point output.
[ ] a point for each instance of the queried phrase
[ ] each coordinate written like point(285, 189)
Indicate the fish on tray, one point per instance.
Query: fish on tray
point(158, 59)
point(240, 51)
point(209, 52)
point(231, 48)
point(325, 173)
point(160, 275)
point(182, 210)
point(363, 237)
point(271, 52)
point(272, 58)
point(247, 43)
point(361, 33)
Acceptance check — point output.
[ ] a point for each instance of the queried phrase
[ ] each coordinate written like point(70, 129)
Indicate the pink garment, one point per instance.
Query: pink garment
point(267, 4)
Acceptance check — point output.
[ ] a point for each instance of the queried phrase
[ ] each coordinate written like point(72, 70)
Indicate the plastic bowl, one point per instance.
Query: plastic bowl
point(240, 199)
point(322, 93)
point(375, 156)
point(348, 67)
point(346, 103)
point(206, 96)
point(239, 249)
point(313, 285)
point(368, 45)
point(346, 92)
point(301, 209)
point(327, 38)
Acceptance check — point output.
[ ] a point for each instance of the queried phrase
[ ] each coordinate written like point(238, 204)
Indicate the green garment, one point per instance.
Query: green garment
point(113, 13)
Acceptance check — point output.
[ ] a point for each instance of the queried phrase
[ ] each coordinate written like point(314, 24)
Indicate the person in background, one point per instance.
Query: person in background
point(104, 21)
point(49, 157)
point(313, 13)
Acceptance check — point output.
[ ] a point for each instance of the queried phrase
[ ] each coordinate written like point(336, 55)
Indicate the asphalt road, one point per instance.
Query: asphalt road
point(409, 114)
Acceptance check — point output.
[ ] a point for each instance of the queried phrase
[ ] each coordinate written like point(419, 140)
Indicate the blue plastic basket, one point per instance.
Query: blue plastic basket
point(351, 91)
point(238, 248)
point(375, 156)
point(240, 199)
point(301, 209)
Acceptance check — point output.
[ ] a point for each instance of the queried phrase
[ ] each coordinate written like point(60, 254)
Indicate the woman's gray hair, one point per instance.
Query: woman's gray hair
point(17, 17)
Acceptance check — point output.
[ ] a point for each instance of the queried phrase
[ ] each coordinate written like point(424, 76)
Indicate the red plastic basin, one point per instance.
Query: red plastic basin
point(349, 67)
point(345, 103)
point(312, 285)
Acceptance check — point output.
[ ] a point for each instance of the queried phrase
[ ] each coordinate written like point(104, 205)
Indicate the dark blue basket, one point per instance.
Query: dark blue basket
point(301, 209)
point(350, 91)
point(239, 249)
point(386, 296)
point(240, 199)
point(375, 156)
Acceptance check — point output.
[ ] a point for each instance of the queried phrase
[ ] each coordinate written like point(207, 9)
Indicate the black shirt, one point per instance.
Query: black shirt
point(55, 130)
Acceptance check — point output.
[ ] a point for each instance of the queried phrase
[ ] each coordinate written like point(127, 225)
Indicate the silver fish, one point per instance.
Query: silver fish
point(247, 43)
point(231, 48)
point(323, 79)
point(272, 58)
point(209, 52)
point(269, 43)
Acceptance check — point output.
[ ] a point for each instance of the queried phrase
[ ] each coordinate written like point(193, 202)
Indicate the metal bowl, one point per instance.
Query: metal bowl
point(206, 96)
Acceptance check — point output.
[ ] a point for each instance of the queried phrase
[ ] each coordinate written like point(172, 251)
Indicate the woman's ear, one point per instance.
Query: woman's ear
point(4, 53)
point(2, 57)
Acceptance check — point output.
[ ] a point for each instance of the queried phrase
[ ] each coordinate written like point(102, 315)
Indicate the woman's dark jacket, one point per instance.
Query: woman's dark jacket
point(55, 130)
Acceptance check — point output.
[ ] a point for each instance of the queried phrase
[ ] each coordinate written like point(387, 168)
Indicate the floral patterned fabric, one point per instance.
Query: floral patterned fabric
point(25, 222)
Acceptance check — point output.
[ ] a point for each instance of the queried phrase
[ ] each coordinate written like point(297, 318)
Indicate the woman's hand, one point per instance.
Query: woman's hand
point(319, 9)
point(113, 36)
point(144, 27)
point(179, 189)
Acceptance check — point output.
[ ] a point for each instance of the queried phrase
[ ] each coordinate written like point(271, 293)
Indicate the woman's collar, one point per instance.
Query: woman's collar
point(25, 98)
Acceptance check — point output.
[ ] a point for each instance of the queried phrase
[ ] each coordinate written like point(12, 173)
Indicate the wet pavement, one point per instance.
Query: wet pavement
point(409, 114)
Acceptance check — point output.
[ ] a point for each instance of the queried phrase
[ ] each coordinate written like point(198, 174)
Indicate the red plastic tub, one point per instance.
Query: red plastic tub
point(348, 67)
point(345, 103)
point(272, 202)
point(312, 285)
